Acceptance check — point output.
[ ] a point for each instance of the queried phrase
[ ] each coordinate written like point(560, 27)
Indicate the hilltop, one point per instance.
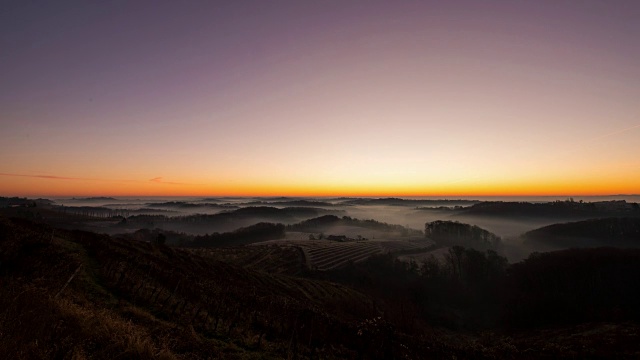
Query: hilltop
point(557, 209)
point(617, 232)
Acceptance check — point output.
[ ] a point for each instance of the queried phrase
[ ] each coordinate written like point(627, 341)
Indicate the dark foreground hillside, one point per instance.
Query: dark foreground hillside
point(79, 295)
point(73, 294)
point(617, 232)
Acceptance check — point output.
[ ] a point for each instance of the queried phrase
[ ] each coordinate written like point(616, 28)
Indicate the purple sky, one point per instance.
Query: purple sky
point(319, 97)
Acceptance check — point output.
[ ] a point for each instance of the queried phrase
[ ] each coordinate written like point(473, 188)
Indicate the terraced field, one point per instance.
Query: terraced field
point(325, 255)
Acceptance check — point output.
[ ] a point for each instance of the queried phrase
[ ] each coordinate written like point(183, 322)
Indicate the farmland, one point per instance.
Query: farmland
point(325, 255)
point(295, 257)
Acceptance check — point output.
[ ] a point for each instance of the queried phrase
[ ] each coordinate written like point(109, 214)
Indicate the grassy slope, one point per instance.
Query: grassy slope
point(135, 300)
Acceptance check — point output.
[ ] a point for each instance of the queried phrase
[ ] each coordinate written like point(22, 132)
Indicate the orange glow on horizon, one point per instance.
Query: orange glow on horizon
point(35, 187)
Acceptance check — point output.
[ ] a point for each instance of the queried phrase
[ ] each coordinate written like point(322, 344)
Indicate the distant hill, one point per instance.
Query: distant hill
point(95, 198)
point(617, 232)
point(189, 205)
point(16, 202)
point(243, 236)
point(563, 209)
point(405, 202)
point(228, 220)
point(299, 203)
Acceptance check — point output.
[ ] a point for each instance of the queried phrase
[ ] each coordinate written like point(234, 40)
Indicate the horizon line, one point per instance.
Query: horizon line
point(326, 196)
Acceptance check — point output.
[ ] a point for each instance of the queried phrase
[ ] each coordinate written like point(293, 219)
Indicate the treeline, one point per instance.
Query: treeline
point(243, 236)
point(188, 205)
point(566, 209)
point(296, 203)
point(450, 233)
point(22, 202)
point(573, 286)
point(407, 202)
point(474, 290)
point(289, 214)
point(461, 292)
point(324, 223)
point(619, 232)
point(95, 211)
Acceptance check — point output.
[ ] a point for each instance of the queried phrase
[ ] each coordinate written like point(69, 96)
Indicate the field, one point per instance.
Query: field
point(325, 255)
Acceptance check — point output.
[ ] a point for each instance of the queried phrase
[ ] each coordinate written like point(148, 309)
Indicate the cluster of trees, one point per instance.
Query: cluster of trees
point(189, 205)
point(235, 216)
point(324, 223)
point(469, 289)
point(624, 232)
point(94, 211)
point(16, 201)
point(449, 233)
point(303, 203)
point(461, 291)
point(408, 202)
point(574, 285)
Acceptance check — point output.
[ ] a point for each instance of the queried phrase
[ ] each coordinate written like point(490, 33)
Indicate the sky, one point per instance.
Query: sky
point(311, 98)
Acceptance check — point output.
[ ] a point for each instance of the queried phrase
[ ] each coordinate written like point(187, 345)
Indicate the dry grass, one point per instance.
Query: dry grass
point(33, 325)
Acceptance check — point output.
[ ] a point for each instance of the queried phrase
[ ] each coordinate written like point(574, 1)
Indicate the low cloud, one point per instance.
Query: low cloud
point(158, 180)
point(56, 177)
point(52, 177)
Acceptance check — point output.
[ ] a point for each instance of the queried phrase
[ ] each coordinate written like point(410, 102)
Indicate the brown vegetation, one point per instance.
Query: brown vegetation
point(76, 295)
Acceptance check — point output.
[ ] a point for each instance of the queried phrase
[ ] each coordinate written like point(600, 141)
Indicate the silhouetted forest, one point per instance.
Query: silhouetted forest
point(555, 209)
point(291, 203)
point(618, 232)
point(190, 205)
point(326, 222)
point(246, 235)
point(479, 290)
point(450, 233)
point(406, 202)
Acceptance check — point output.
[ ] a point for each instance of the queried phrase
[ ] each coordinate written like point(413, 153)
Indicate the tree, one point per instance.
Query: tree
point(161, 239)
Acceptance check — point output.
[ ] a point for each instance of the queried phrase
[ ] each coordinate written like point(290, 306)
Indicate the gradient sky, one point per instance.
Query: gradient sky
point(319, 97)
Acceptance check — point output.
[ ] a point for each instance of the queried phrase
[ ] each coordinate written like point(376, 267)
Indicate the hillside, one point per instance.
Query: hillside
point(135, 299)
point(76, 294)
point(451, 233)
point(558, 209)
point(617, 232)
point(406, 202)
point(332, 223)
